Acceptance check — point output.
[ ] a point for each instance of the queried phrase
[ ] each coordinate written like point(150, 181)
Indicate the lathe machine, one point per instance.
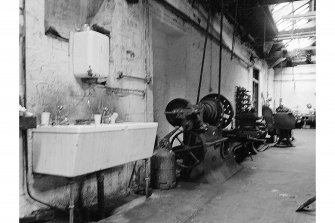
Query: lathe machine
point(204, 125)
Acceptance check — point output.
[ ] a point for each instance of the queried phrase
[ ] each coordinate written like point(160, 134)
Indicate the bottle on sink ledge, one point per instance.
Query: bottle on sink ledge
point(113, 117)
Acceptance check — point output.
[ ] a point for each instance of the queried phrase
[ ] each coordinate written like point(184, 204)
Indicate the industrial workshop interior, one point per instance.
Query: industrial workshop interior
point(167, 111)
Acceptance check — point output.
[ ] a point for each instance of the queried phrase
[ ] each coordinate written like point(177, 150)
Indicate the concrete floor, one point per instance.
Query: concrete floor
point(268, 189)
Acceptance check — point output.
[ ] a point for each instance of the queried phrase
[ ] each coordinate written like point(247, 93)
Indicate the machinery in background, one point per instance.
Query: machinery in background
point(298, 119)
point(280, 124)
point(309, 120)
point(243, 101)
point(269, 122)
point(305, 120)
point(204, 125)
point(201, 125)
point(250, 131)
point(284, 123)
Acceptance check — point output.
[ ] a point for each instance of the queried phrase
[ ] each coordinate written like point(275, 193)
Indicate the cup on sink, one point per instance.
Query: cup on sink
point(97, 119)
point(45, 118)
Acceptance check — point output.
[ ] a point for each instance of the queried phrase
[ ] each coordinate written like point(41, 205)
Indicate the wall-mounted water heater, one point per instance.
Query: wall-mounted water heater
point(90, 54)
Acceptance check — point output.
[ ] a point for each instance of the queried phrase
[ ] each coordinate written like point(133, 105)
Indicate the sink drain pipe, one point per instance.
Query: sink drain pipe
point(26, 166)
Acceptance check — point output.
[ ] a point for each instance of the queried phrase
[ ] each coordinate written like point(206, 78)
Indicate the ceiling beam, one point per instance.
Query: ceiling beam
point(305, 48)
point(295, 36)
point(286, 37)
point(279, 53)
point(295, 31)
point(271, 2)
point(309, 15)
point(277, 62)
point(292, 12)
point(260, 2)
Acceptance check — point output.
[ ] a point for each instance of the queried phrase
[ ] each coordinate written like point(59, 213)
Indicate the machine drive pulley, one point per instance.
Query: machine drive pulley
point(213, 109)
point(202, 126)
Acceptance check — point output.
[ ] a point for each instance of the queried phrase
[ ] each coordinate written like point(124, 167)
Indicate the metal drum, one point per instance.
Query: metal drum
point(163, 165)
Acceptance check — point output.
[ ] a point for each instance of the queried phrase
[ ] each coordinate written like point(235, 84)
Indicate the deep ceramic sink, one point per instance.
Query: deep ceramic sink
point(76, 150)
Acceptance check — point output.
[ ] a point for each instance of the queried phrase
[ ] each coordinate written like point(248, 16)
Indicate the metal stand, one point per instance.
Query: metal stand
point(304, 205)
point(147, 178)
point(284, 138)
point(101, 194)
point(71, 204)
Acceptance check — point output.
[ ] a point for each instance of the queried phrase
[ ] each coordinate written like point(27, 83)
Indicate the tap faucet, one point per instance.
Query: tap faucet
point(104, 116)
point(59, 116)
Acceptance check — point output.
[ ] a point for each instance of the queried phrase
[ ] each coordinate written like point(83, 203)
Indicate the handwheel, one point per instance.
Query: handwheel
point(189, 151)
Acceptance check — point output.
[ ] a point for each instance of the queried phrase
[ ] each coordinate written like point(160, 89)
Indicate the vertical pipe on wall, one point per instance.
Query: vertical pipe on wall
point(267, 82)
point(220, 55)
point(293, 78)
point(71, 204)
point(234, 33)
point(23, 54)
point(281, 83)
point(147, 178)
point(210, 88)
point(145, 6)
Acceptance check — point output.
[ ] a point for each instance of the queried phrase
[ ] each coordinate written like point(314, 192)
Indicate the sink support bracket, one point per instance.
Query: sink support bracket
point(147, 178)
point(101, 194)
point(71, 203)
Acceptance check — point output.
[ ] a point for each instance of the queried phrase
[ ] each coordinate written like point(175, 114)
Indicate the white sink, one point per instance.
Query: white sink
point(75, 150)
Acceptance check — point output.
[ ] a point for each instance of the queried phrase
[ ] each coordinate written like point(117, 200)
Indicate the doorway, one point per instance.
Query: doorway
point(255, 89)
point(168, 70)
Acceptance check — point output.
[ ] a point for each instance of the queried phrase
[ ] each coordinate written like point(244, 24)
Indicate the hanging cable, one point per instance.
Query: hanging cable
point(234, 32)
point(281, 82)
point(220, 55)
point(264, 34)
point(267, 82)
point(204, 53)
point(266, 71)
point(293, 77)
